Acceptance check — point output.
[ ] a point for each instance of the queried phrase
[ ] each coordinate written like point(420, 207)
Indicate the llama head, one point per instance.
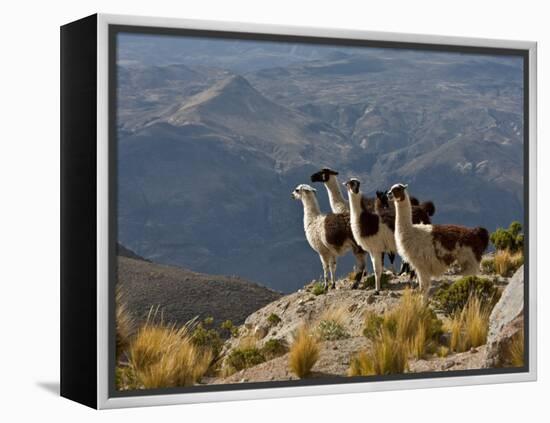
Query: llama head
point(383, 198)
point(303, 191)
point(352, 185)
point(323, 175)
point(397, 192)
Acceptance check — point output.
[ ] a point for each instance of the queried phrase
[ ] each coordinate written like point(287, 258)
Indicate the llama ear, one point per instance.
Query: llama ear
point(405, 186)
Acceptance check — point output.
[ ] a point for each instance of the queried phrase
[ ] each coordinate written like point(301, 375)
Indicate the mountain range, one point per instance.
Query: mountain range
point(208, 152)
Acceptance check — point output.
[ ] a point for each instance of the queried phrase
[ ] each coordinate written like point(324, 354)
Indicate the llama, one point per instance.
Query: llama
point(328, 234)
point(370, 230)
point(340, 206)
point(431, 249)
point(421, 213)
point(330, 179)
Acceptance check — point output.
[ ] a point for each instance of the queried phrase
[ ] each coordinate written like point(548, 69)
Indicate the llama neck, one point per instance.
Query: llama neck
point(403, 214)
point(311, 208)
point(355, 205)
point(337, 202)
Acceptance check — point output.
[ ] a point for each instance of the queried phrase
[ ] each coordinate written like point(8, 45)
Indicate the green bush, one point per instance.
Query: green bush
point(384, 281)
point(451, 298)
point(331, 330)
point(274, 348)
point(230, 328)
point(207, 338)
point(208, 321)
point(488, 266)
point(318, 288)
point(240, 359)
point(510, 239)
point(273, 319)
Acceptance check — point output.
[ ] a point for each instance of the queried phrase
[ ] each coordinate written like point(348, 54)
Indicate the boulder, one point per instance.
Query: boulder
point(505, 322)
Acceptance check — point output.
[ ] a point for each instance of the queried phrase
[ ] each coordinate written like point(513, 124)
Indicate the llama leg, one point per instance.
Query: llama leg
point(325, 262)
point(359, 268)
point(424, 282)
point(377, 265)
point(333, 273)
point(391, 256)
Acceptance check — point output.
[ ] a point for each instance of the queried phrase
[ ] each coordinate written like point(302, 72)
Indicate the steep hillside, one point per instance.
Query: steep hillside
point(181, 294)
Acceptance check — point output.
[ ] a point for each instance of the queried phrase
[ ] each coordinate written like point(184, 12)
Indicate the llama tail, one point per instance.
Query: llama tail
point(483, 235)
point(428, 207)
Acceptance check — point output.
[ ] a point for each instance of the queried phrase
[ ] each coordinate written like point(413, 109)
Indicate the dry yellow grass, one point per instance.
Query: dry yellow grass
point(165, 356)
point(304, 352)
point(469, 328)
point(407, 330)
point(514, 355)
point(337, 314)
point(506, 263)
point(361, 365)
point(125, 325)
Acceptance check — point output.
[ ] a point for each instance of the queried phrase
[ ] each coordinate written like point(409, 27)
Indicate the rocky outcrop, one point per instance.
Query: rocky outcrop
point(505, 322)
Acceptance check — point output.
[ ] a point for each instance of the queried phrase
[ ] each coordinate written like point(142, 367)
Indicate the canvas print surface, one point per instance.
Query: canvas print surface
point(293, 211)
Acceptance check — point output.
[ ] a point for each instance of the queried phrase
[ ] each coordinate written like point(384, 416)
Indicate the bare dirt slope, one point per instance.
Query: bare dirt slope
point(182, 294)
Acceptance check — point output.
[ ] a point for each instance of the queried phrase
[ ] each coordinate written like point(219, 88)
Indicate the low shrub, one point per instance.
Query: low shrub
point(510, 239)
point(273, 319)
point(318, 288)
point(488, 266)
point(239, 359)
point(304, 352)
point(370, 282)
point(274, 348)
point(506, 263)
point(451, 298)
point(230, 328)
point(207, 339)
point(331, 326)
point(330, 330)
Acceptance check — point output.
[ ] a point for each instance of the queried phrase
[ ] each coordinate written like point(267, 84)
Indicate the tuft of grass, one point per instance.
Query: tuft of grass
point(443, 351)
point(274, 348)
point(452, 298)
point(273, 319)
point(318, 289)
point(165, 356)
point(125, 324)
point(469, 327)
point(388, 356)
point(514, 354)
point(370, 282)
point(506, 263)
point(361, 365)
point(372, 325)
point(304, 352)
point(410, 329)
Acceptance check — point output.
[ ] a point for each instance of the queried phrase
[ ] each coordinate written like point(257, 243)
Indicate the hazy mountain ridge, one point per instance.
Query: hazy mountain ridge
point(208, 157)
